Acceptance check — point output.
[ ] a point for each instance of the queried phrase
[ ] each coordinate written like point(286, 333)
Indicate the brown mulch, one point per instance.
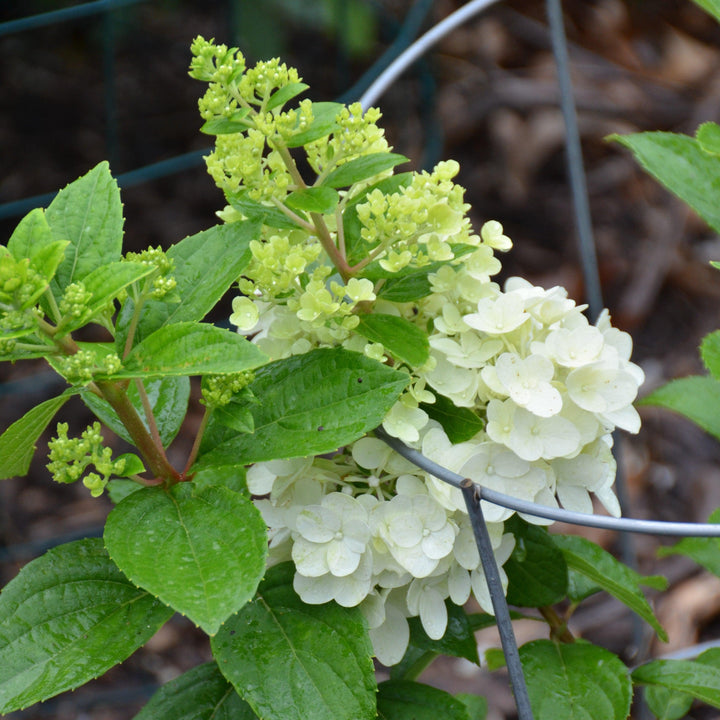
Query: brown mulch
point(636, 66)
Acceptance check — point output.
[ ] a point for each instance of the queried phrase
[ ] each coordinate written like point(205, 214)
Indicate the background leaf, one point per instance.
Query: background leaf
point(459, 424)
point(69, 616)
point(292, 661)
point(576, 681)
point(681, 165)
point(407, 342)
point(405, 700)
point(188, 348)
point(710, 353)
point(704, 551)
point(667, 704)
point(212, 542)
point(311, 404)
point(199, 694)
point(698, 679)
point(536, 570)
point(601, 568)
point(696, 397)
point(17, 443)
point(88, 214)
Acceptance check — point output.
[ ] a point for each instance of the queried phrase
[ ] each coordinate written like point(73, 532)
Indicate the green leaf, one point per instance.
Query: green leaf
point(133, 464)
point(407, 342)
point(206, 265)
point(292, 661)
point(229, 476)
point(31, 234)
point(710, 6)
point(235, 416)
point(188, 348)
point(168, 398)
point(667, 704)
point(227, 125)
point(710, 353)
point(681, 165)
point(321, 200)
point(256, 212)
point(477, 706)
point(696, 397)
point(708, 135)
point(409, 287)
point(69, 616)
point(118, 489)
point(288, 92)
point(536, 570)
point(458, 641)
point(611, 575)
point(199, 694)
point(575, 681)
point(212, 542)
point(105, 283)
point(312, 404)
point(88, 214)
point(405, 700)
point(459, 424)
point(363, 168)
point(324, 122)
point(704, 551)
point(695, 678)
point(18, 442)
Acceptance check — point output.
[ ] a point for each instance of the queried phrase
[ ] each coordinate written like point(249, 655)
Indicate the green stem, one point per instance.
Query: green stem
point(558, 626)
point(198, 439)
point(285, 210)
point(54, 309)
point(149, 415)
point(153, 454)
point(132, 328)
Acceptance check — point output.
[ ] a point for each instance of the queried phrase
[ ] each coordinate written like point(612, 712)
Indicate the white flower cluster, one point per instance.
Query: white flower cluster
point(368, 528)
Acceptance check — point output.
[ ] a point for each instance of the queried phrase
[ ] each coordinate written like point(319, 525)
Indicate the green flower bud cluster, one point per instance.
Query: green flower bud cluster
point(162, 280)
point(80, 368)
point(218, 390)
point(70, 458)
point(74, 304)
point(20, 283)
point(278, 262)
point(356, 134)
point(418, 223)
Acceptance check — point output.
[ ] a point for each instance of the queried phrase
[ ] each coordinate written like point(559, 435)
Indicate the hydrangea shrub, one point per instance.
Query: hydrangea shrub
point(296, 539)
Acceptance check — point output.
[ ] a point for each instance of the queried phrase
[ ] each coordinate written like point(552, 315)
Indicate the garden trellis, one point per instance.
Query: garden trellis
point(472, 494)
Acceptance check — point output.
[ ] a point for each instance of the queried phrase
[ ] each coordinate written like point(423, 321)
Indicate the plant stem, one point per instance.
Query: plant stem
point(558, 626)
point(292, 216)
point(116, 394)
point(149, 415)
point(198, 439)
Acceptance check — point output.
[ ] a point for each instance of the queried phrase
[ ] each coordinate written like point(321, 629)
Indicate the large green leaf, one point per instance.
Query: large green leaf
point(363, 168)
point(601, 568)
point(88, 214)
point(704, 551)
point(408, 286)
point(667, 704)
point(459, 423)
point(407, 342)
point(285, 93)
point(696, 397)
point(206, 265)
point(536, 570)
point(576, 681)
point(17, 443)
point(682, 166)
point(200, 551)
point(66, 618)
point(405, 700)
point(199, 694)
point(699, 679)
point(32, 236)
point(311, 404)
point(314, 199)
point(168, 398)
point(292, 661)
point(188, 348)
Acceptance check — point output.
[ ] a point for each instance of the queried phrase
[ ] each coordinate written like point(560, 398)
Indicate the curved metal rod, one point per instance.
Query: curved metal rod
point(419, 48)
point(648, 527)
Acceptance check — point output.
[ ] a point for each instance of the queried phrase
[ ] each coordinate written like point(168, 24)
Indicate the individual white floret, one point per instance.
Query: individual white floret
point(348, 591)
point(574, 348)
point(458, 384)
point(500, 315)
point(600, 388)
point(405, 422)
point(426, 599)
point(415, 530)
point(330, 537)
